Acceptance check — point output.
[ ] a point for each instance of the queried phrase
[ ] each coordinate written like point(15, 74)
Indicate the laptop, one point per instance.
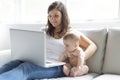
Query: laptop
point(28, 45)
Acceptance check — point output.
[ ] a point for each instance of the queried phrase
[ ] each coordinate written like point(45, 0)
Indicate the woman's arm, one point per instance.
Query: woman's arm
point(80, 60)
point(88, 45)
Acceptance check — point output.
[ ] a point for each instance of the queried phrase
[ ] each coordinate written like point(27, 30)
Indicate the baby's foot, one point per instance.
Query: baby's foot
point(73, 72)
point(66, 70)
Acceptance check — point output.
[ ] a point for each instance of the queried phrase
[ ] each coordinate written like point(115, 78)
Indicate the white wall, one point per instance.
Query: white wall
point(4, 37)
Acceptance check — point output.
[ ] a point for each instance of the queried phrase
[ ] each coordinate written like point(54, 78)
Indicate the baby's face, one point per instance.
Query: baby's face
point(69, 45)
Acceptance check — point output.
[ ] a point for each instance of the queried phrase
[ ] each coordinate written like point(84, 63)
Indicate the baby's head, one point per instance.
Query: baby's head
point(71, 41)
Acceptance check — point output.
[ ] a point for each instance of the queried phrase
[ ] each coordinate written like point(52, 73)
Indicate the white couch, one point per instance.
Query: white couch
point(104, 64)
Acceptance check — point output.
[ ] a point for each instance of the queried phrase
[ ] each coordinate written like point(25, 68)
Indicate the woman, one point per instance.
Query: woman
point(57, 27)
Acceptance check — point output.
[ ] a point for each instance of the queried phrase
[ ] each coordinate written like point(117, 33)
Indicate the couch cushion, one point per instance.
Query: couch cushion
point(112, 55)
point(108, 77)
point(97, 35)
point(5, 56)
point(89, 76)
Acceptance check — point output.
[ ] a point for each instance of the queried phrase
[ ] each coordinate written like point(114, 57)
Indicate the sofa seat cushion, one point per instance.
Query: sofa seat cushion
point(88, 76)
point(112, 55)
point(108, 77)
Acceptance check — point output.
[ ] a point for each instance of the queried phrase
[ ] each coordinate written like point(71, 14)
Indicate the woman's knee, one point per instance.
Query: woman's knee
point(10, 65)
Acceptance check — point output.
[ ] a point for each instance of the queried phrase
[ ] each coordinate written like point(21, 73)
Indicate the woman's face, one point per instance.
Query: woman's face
point(55, 17)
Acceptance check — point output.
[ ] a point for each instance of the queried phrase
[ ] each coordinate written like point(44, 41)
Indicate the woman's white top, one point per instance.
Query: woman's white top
point(55, 47)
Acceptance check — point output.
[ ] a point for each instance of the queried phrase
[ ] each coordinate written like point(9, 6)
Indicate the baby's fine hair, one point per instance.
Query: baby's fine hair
point(71, 36)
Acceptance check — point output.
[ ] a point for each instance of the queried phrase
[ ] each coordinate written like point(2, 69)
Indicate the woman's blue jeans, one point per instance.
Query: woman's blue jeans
point(18, 70)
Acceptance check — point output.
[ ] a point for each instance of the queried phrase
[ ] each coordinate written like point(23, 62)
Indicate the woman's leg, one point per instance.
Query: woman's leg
point(45, 73)
point(28, 71)
point(10, 65)
point(20, 72)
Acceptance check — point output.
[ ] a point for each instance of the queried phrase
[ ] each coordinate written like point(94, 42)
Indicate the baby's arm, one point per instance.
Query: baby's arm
point(63, 57)
point(80, 56)
point(81, 59)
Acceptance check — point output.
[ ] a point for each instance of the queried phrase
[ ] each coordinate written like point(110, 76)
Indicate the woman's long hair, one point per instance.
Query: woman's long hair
point(64, 22)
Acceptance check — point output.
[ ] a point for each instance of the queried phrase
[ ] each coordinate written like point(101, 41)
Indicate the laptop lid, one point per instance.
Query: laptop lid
point(28, 46)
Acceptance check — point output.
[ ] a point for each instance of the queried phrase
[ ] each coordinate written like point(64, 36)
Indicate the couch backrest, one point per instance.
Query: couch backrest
point(112, 54)
point(97, 35)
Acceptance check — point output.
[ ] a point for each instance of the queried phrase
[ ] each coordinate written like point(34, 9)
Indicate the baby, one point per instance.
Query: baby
point(73, 56)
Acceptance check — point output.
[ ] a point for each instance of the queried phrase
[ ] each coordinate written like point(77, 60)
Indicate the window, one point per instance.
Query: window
point(80, 10)
point(7, 11)
point(35, 11)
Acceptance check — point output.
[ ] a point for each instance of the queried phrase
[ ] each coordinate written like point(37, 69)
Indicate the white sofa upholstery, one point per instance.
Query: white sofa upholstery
point(104, 64)
point(5, 56)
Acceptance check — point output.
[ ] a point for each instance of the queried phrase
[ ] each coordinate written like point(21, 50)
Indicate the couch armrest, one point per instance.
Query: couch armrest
point(5, 56)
